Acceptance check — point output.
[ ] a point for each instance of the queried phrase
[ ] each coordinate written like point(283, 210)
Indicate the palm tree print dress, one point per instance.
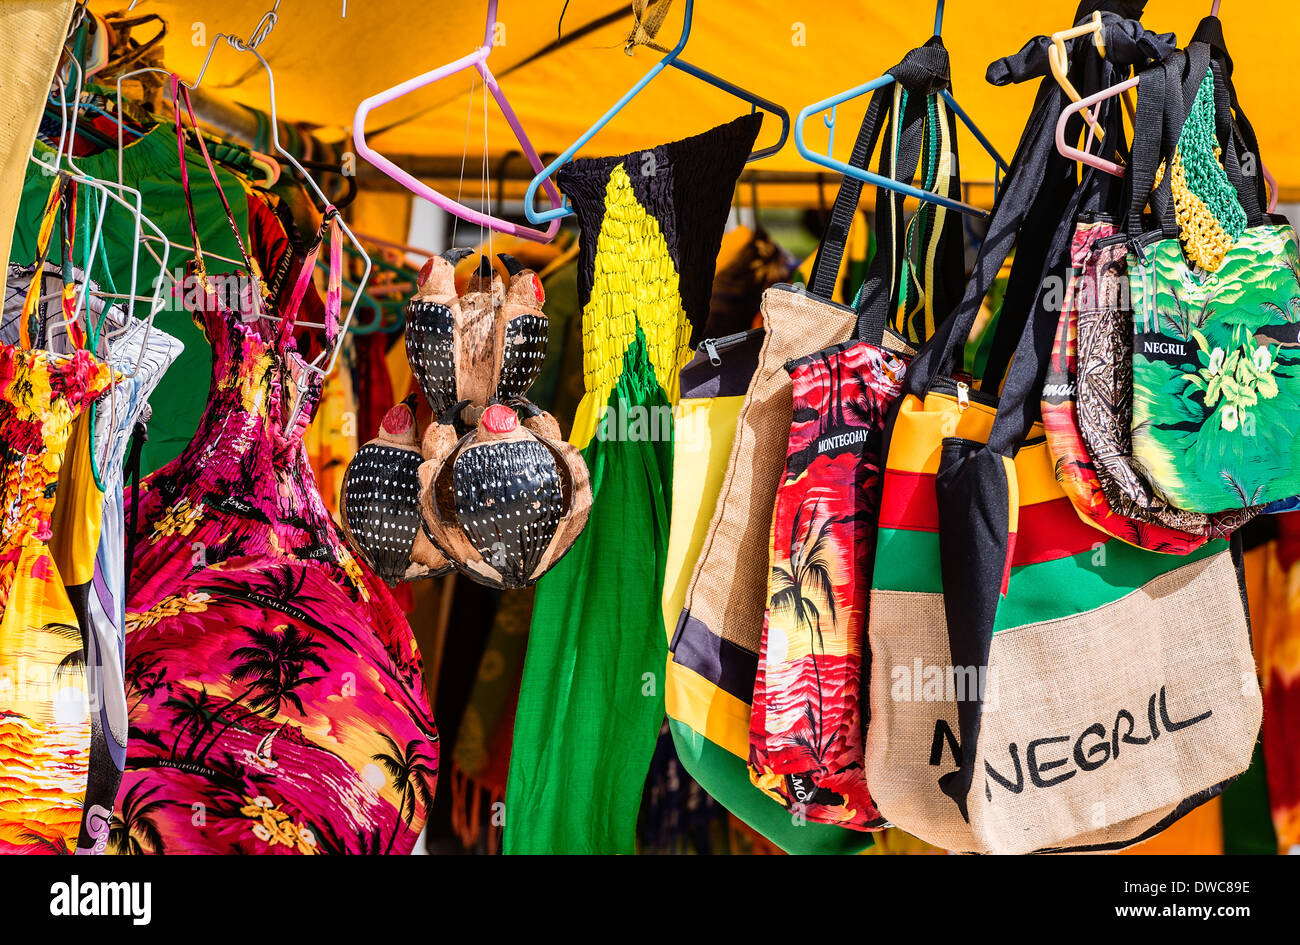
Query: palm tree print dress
point(44, 710)
point(275, 691)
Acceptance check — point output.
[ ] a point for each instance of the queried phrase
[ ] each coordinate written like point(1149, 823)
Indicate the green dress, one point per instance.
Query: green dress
point(592, 697)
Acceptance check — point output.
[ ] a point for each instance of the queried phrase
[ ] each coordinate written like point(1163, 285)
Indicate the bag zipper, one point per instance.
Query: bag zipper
point(712, 346)
point(1134, 245)
point(964, 393)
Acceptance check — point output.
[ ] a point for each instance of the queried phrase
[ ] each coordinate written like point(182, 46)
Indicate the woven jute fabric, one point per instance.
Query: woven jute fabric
point(31, 38)
point(728, 592)
point(1067, 687)
point(1116, 712)
point(906, 746)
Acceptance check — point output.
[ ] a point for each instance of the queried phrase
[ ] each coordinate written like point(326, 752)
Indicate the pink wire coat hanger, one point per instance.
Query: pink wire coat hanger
point(476, 60)
point(1078, 154)
point(1110, 167)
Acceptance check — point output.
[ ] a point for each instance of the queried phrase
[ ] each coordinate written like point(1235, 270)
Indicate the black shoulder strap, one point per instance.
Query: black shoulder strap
point(1254, 193)
point(1020, 190)
point(923, 71)
point(1148, 147)
point(830, 252)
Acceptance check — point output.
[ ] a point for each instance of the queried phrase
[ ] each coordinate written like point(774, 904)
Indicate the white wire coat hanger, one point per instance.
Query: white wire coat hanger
point(68, 130)
point(263, 29)
point(121, 144)
point(260, 313)
point(163, 282)
point(63, 154)
point(106, 189)
point(259, 35)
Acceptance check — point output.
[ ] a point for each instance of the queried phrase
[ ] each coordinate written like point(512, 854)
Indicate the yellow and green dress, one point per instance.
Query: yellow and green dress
point(591, 701)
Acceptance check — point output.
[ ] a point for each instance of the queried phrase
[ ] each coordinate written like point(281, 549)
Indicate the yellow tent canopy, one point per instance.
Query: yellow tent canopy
point(791, 53)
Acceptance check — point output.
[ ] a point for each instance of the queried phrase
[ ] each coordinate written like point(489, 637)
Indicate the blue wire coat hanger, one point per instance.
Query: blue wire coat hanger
point(827, 160)
point(671, 59)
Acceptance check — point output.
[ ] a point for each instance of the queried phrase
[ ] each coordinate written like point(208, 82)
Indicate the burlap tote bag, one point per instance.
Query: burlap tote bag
point(713, 659)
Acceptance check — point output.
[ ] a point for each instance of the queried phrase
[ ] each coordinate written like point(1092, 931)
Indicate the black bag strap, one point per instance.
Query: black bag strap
point(830, 252)
point(1148, 147)
point(1023, 187)
point(923, 70)
point(1182, 79)
point(1038, 206)
point(1035, 256)
point(1233, 149)
point(1128, 44)
point(1018, 403)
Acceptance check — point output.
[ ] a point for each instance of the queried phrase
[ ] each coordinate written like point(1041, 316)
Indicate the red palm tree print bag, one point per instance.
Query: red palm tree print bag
point(807, 725)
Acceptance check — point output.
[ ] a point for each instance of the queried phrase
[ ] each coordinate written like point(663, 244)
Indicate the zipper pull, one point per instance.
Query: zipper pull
point(963, 395)
point(711, 350)
point(1135, 247)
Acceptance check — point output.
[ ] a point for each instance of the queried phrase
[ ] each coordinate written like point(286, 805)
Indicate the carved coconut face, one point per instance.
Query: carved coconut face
point(500, 497)
point(509, 504)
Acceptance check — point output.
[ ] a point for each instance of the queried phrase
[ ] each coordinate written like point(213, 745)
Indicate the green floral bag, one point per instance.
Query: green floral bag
point(1216, 303)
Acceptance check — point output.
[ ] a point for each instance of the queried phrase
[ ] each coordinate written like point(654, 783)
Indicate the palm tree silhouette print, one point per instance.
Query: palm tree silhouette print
point(143, 679)
point(272, 665)
point(134, 822)
point(808, 571)
point(410, 774)
point(195, 712)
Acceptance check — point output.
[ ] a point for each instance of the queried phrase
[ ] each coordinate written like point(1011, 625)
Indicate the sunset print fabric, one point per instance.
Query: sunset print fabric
point(44, 710)
point(806, 727)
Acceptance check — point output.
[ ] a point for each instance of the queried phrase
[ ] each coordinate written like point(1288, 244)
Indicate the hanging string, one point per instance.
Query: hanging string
point(559, 26)
point(485, 193)
point(464, 152)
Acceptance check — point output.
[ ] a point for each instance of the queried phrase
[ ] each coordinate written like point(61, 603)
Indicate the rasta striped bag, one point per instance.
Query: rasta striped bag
point(1035, 684)
point(1216, 296)
point(714, 650)
point(807, 722)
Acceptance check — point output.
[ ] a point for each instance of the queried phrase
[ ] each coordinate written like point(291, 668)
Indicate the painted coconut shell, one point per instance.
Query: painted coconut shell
point(507, 500)
point(484, 345)
point(431, 329)
point(380, 502)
